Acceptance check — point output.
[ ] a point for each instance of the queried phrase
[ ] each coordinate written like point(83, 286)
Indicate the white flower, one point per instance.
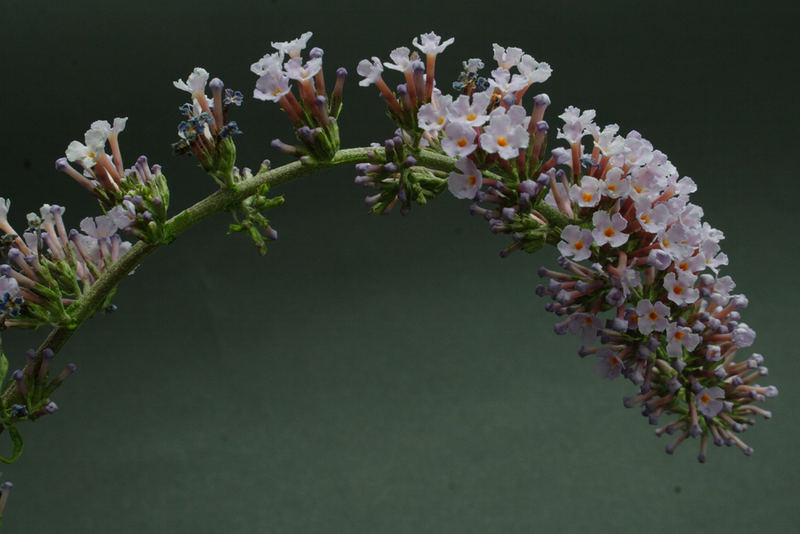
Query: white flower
point(370, 71)
point(460, 140)
point(533, 71)
point(432, 117)
point(501, 79)
point(680, 289)
point(575, 242)
point(123, 215)
point(473, 113)
point(294, 47)
point(651, 316)
point(607, 140)
point(429, 44)
point(609, 229)
point(87, 154)
point(296, 70)
point(467, 183)
point(503, 138)
point(272, 63)
point(99, 227)
point(679, 337)
point(616, 184)
point(575, 124)
point(507, 57)
point(107, 129)
point(653, 219)
point(402, 60)
point(587, 194)
point(271, 88)
point(195, 83)
point(675, 241)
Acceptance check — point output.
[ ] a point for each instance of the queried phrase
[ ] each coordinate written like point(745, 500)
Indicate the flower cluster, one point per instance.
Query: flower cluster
point(650, 294)
point(34, 388)
point(206, 131)
point(48, 268)
point(419, 87)
point(313, 115)
point(672, 325)
point(138, 197)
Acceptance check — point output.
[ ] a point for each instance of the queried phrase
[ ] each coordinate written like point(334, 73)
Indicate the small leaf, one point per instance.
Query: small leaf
point(17, 445)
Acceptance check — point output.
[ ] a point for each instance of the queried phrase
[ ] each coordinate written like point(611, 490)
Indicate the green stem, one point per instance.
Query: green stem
point(221, 200)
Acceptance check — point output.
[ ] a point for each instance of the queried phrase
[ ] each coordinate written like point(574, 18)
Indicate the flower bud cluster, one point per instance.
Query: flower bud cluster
point(206, 131)
point(314, 114)
point(248, 215)
point(136, 198)
point(35, 385)
point(398, 179)
point(49, 267)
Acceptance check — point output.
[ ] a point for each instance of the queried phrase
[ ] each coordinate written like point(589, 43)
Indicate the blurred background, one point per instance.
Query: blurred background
point(389, 374)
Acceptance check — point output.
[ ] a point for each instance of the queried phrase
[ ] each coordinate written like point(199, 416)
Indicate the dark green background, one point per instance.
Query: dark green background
point(388, 374)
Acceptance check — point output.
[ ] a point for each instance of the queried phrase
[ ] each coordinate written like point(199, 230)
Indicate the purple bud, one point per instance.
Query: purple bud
point(679, 365)
point(542, 127)
point(528, 186)
point(410, 161)
point(316, 52)
point(216, 85)
point(740, 302)
point(390, 167)
point(706, 280)
point(61, 164)
point(659, 259)
point(508, 214)
point(541, 100)
point(341, 72)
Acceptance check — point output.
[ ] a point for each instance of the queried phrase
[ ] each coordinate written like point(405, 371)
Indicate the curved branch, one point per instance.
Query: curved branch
point(220, 200)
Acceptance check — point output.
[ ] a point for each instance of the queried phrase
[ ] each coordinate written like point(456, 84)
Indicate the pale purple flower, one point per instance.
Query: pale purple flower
point(679, 337)
point(460, 140)
point(472, 113)
point(609, 229)
point(371, 71)
point(271, 88)
point(651, 316)
point(303, 72)
point(503, 138)
point(432, 117)
point(680, 289)
point(294, 47)
point(403, 62)
point(507, 58)
point(610, 365)
point(467, 183)
point(713, 353)
point(585, 324)
point(616, 184)
point(533, 71)
point(708, 401)
point(429, 43)
point(575, 124)
point(587, 194)
point(270, 63)
point(100, 227)
point(575, 242)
